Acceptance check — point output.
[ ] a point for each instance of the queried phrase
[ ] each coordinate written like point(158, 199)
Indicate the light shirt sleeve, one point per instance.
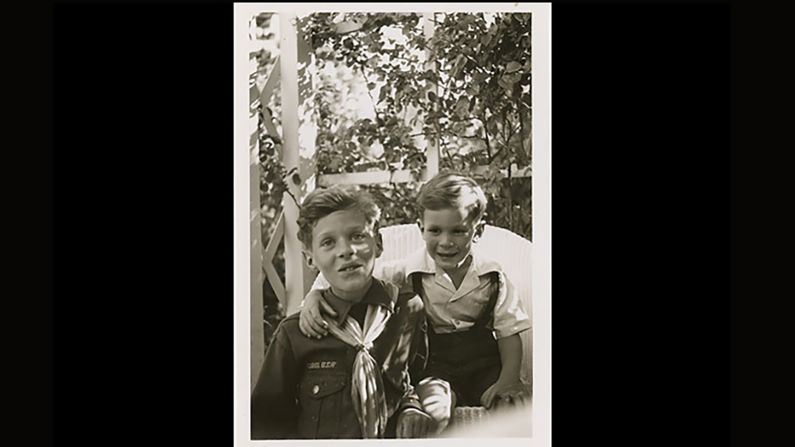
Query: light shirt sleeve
point(393, 272)
point(510, 316)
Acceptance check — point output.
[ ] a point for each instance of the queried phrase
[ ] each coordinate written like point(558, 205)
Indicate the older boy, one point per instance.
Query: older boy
point(356, 383)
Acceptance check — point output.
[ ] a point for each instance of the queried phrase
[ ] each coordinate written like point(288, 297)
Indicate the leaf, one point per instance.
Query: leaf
point(513, 67)
point(459, 64)
point(473, 88)
point(373, 61)
point(371, 85)
point(486, 39)
point(432, 96)
point(461, 107)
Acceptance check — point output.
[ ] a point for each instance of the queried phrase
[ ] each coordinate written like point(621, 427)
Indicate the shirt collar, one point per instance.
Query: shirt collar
point(379, 294)
point(421, 262)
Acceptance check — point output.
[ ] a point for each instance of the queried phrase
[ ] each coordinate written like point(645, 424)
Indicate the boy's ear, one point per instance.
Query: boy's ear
point(308, 259)
point(419, 224)
point(479, 227)
point(379, 244)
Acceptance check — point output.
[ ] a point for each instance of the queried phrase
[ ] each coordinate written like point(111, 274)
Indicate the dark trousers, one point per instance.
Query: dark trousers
point(468, 360)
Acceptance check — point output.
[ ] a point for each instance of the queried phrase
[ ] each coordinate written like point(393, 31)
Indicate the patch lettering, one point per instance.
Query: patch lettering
point(321, 365)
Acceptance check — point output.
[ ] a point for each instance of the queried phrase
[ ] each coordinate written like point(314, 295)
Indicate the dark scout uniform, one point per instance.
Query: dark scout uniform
point(304, 387)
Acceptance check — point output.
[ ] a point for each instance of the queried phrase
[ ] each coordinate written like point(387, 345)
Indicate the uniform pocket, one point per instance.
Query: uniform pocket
point(321, 398)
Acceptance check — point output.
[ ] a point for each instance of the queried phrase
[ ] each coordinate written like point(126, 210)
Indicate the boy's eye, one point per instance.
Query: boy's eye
point(459, 231)
point(357, 237)
point(326, 243)
point(433, 230)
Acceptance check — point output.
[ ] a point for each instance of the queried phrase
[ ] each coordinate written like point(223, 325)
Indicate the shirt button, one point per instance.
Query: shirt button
point(315, 389)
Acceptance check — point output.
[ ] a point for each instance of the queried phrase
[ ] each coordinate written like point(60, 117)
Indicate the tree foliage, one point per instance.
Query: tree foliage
point(475, 102)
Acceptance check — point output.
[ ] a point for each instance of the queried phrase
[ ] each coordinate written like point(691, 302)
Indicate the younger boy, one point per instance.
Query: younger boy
point(468, 300)
point(356, 383)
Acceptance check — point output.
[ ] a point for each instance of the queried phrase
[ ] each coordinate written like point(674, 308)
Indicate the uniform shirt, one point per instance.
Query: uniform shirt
point(304, 387)
point(451, 309)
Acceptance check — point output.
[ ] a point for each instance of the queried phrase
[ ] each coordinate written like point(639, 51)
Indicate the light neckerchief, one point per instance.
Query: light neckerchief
point(367, 388)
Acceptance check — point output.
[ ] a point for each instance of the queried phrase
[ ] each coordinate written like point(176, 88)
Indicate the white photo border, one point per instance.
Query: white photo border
point(541, 204)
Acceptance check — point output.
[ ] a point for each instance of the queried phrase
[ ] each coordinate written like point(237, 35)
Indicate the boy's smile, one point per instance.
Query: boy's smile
point(448, 236)
point(344, 249)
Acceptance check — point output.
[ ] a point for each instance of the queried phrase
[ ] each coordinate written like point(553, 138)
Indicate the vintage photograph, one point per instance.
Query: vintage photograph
point(392, 162)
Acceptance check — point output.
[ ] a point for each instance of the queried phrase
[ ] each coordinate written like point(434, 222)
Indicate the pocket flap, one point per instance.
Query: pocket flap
point(320, 387)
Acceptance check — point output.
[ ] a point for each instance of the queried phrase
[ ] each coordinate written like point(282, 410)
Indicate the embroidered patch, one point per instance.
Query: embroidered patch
point(321, 365)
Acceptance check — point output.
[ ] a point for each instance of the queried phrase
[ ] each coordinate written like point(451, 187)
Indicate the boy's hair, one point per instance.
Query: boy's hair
point(323, 201)
point(453, 190)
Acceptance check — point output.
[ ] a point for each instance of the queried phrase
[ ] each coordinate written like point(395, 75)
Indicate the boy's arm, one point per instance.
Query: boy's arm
point(274, 412)
point(510, 319)
point(509, 385)
point(511, 357)
point(310, 320)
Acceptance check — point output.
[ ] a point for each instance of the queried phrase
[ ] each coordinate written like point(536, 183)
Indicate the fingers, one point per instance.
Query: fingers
point(319, 325)
point(422, 428)
point(487, 397)
point(518, 399)
point(404, 426)
point(310, 327)
point(413, 425)
point(304, 326)
point(327, 308)
point(318, 329)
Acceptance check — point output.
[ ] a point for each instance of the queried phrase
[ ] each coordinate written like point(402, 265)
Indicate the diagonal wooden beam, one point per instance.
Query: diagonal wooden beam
point(267, 261)
point(270, 83)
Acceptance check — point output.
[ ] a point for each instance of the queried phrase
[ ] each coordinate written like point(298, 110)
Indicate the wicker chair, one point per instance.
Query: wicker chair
point(512, 251)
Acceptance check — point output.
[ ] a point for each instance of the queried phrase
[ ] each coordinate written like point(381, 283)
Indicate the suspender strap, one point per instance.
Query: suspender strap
point(487, 316)
point(418, 358)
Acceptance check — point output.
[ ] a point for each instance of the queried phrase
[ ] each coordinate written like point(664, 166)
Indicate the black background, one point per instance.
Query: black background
point(143, 188)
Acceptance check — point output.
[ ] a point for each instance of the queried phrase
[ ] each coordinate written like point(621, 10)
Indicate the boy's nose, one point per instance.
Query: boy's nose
point(345, 250)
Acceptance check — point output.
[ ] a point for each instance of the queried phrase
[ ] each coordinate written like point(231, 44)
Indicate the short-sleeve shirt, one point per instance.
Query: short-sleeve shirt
point(451, 309)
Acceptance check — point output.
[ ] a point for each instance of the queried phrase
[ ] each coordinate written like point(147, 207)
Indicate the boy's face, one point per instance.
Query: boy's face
point(344, 248)
point(448, 235)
